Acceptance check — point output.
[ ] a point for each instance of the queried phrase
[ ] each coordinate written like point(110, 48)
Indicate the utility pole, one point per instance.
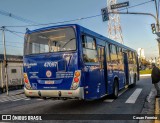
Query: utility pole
point(5, 59)
point(157, 21)
point(157, 15)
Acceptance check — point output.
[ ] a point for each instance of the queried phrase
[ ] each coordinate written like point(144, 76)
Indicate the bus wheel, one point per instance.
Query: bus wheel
point(115, 89)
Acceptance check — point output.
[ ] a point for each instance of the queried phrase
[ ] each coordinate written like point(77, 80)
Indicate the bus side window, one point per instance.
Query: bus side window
point(130, 57)
point(84, 41)
point(101, 56)
point(120, 55)
point(88, 42)
point(113, 54)
point(134, 58)
point(89, 49)
point(108, 53)
point(91, 42)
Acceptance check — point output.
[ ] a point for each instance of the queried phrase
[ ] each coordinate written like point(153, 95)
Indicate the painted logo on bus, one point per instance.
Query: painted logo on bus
point(48, 73)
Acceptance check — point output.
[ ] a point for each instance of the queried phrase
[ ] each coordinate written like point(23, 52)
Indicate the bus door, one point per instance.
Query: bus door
point(126, 70)
point(91, 67)
point(102, 85)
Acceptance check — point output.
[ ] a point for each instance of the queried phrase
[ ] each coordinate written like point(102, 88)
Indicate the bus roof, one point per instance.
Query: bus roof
point(84, 29)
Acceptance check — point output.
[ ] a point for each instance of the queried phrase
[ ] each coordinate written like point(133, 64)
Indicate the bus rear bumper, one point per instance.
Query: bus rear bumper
point(78, 93)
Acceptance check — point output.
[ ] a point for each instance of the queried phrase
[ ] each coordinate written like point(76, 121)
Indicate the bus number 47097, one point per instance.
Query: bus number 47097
point(95, 67)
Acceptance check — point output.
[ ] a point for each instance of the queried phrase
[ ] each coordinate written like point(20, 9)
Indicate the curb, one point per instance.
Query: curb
point(149, 106)
point(157, 110)
point(145, 75)
point(19, 93)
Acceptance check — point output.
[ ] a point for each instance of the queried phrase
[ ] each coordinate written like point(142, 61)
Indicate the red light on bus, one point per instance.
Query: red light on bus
point(76, 79)
point(26, 80)
point(77, 74)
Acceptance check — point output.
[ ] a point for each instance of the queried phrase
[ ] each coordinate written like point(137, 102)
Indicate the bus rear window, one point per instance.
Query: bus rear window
point(54, 40)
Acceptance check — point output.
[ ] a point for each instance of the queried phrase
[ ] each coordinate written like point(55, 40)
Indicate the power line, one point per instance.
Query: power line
point(12, 46)
point(60, 22)
point(4, 28)
point(5, 13)
point(13, 42)
point(14, 31)
point(136, 5)
point(16, 34)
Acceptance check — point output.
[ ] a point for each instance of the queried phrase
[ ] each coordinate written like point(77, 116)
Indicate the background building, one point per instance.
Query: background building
point(14, 70)
point(141, 53)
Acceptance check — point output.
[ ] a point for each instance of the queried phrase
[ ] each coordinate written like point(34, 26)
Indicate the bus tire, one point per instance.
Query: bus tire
point(115, 89)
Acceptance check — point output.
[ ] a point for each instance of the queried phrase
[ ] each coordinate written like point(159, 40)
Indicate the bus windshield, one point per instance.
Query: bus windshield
point(54, 40)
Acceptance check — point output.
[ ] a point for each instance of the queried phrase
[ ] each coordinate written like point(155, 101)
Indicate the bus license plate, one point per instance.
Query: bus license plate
point(49, 82)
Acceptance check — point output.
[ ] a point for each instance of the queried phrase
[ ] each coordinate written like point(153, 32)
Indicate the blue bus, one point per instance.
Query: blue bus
point(72, 62)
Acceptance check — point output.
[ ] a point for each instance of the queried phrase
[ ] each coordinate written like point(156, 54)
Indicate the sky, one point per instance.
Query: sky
point(136, 29)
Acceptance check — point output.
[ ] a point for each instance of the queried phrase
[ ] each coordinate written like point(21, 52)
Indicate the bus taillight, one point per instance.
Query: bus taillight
point(77, 73)
point(26, 81)
point(25, 78)
point(76, 80)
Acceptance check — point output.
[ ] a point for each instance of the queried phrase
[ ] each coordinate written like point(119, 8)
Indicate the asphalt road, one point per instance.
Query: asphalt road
point(130, 101)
